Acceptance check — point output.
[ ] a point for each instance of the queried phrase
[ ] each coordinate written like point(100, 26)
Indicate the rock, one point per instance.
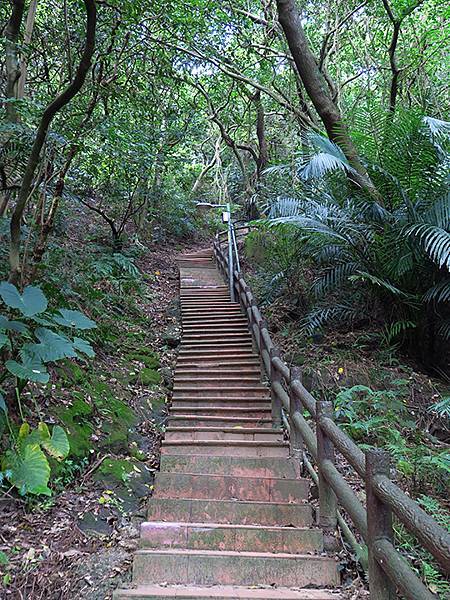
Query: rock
point(167, 376)
point(97, 524)
point(172, 336)
point(174, 309)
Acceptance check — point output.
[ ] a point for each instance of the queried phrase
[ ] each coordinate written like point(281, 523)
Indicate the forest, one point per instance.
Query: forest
point(326, 127)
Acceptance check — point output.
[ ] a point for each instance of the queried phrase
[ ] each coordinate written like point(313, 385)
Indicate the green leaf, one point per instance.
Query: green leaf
point(30, 303)
point(58, 445)
point(29, 470)
point(7, 325)
point(4, 339)
point(74, 318)
point(52, 347)
point(83, 346)
point(3, 406)
point(4, 560)
point(31, 369)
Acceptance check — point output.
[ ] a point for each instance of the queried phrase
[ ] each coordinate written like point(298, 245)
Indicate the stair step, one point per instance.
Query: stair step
point(207, 567)
point(213, 348)
point(204, 312)
point(156, 592)
point(218, 421)
point(222, 433)
point(280, 468)
point(218, 342)
point(219, 411)
point(223, 332)
point(229, 487)
point(207, 371)
point(236, 380)
point(200, 358)
point(236, 391)
point(226, 448)
point(240, 538)
point(214, 320)
point(192, 510)
point(257, 403)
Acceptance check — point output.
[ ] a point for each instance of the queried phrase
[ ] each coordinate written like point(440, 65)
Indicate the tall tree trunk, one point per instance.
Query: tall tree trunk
point(31, 16)
point(318, 91)
point(12, 64)
point(12, 32)
point(49, 221)
point(263, 154)
point(207, 167)
point(56, 105)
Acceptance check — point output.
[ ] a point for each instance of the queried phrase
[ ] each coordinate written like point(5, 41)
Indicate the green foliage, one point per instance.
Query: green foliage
point(120, 270)
point(78, 422)
point(381, 418)
point(421, 560)
point(25, 465)
point(387, 262)
point(28, 359)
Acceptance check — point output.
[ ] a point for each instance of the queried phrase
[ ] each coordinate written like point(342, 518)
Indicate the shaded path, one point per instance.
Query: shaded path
point(229, 517)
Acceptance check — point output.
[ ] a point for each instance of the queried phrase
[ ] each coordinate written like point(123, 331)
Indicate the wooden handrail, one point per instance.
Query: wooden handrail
point(387, 568)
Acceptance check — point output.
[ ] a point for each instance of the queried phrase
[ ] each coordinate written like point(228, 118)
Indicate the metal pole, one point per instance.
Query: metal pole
point(230, 255)
point(236, 253)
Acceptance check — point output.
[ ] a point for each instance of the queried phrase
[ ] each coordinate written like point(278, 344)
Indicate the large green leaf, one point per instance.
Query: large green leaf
point(53, 346)
point(7, 325)
point(30, 303)
point(4, 339)
point(58, 445)
point(28, 470)
point(83, 346)
point(74, 318)
point(31, 369)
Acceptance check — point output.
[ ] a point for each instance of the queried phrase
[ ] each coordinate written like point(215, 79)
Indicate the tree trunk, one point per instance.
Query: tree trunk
point(31, 16)
point(263, 154)
point(318, 91)
point(56, 105)
point(12, 58)
point(48, 223)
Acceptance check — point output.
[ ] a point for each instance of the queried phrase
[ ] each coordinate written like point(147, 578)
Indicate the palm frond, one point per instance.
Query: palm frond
point(444, 330)
point(439, 213)
point(381, 283)
point(322, 315)
point(439, 292)
point(335, 277)
point(434, 241)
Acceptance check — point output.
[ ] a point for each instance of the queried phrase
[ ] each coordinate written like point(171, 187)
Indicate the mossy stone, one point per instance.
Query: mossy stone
point(147, 376)
point(149, 359)
point(114, 470)
point(78, 426)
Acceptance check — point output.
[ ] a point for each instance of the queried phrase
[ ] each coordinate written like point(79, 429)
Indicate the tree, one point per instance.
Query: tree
point(49, 113)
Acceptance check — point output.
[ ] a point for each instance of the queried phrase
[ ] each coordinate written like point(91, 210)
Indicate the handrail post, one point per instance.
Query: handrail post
point(295, 405)
point(327, 498)
point(252, 322)
point(379, 524)
point(230, 255)
point(275, 377)
point(262, 347)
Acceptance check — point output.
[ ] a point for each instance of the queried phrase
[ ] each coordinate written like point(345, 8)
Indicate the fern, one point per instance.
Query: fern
point(435, 242)
point(334, 277)
point(323, 315)
point(439, 292)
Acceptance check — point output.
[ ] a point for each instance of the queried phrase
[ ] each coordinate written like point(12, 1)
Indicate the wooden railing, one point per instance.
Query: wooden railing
point(318, 434)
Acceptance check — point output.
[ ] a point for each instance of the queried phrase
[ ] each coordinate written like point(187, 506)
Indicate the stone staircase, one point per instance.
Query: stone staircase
point(229, 517)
